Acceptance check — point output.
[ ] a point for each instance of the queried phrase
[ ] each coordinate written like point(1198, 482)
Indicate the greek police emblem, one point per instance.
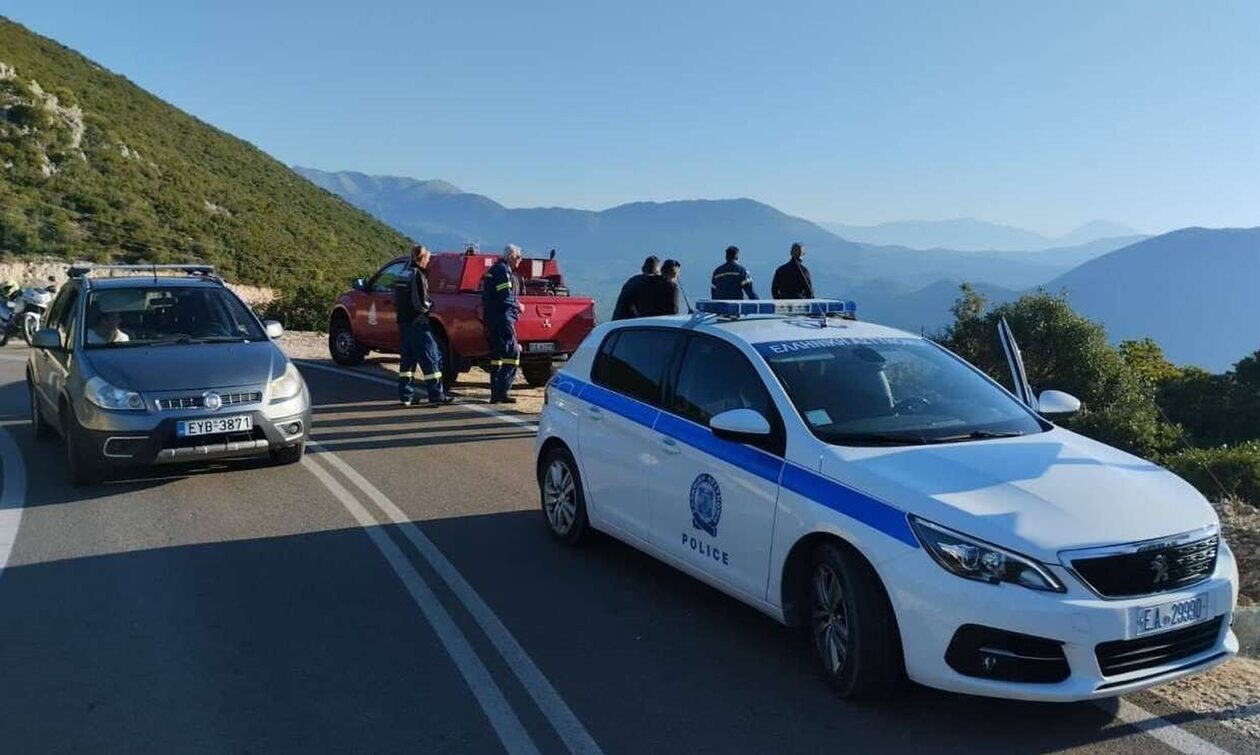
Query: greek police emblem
point(706, 504)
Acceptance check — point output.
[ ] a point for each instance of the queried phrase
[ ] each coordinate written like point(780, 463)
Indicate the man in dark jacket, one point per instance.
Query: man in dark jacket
point(791, 280)
point(731, 280)
point(501, 309)
point(659, 293)
point(627, 300)
point(412, 306)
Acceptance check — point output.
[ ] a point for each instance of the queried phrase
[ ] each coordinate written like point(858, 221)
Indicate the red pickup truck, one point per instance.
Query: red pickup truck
point(549, 330)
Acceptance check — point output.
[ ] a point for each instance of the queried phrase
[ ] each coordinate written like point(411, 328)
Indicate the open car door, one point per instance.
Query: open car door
point(1019, 377)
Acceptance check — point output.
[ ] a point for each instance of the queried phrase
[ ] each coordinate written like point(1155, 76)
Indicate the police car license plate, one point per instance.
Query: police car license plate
point(1174, 614)
point(215, 426)
point(538, 346)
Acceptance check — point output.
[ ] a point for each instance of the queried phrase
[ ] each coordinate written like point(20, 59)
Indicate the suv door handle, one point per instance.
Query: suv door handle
point(670, 445)
point(594, 413)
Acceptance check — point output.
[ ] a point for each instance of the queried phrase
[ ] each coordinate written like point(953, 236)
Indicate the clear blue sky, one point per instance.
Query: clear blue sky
point(1039, 114)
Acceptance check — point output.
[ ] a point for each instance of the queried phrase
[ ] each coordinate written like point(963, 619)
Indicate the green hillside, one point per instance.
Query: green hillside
point(96, 168)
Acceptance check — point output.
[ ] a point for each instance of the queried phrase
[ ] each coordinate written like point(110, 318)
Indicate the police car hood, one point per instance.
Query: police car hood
point(1036, 494)
point(194, 366)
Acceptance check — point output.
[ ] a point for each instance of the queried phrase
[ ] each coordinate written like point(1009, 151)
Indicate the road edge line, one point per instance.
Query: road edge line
point(479, 408)
point(549, 701)
point(12, 494)
point(1160, 728)
point(494, 704)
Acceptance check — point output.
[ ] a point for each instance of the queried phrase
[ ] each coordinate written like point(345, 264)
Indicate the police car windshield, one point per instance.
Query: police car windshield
point(892, 391)
point(165, 315)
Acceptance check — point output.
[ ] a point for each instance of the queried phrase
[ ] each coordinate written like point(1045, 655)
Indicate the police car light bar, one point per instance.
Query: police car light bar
point(782, 307)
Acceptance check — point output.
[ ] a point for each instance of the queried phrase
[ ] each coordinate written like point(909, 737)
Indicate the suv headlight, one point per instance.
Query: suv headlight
point(286, 386)
point(978, 560)
point(111, 397)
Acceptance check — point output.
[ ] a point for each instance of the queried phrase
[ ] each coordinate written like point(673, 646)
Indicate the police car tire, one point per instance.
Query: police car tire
point(874, 668)
point(579, 525)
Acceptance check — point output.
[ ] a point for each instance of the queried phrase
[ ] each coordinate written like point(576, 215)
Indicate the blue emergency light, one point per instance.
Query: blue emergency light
point(783, 307)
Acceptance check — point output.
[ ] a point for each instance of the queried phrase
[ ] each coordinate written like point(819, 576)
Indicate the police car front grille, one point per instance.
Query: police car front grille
point(196, 402)
point(1150, 571)
point(1126, 656)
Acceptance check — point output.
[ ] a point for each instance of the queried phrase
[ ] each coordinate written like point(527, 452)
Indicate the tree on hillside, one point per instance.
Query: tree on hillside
point(1069, 352)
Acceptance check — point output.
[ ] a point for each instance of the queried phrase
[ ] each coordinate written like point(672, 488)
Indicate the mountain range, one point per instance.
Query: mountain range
point(969, 233)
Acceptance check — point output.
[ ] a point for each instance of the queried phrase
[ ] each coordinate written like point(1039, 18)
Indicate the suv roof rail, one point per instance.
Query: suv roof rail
point(85, 270)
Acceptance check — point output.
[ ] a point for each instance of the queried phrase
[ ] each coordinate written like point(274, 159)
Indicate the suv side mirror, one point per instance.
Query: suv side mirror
point(1058, 402)
point(358, 284)
point(47, 338)
point(740, 425)
point(274, 329)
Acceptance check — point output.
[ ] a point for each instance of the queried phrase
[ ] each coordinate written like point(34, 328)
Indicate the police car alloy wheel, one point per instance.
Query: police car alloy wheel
point(851, 626)
point(562, 503)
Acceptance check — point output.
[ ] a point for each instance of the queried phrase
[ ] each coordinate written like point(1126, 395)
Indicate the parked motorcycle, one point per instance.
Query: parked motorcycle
point(23, 310)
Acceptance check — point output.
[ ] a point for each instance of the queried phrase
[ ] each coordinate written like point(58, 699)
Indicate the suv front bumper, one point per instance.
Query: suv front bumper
point(932, 605)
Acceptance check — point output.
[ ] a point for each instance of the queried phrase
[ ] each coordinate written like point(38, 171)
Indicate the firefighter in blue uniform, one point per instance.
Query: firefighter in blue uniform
point(419, 348)
point(731, 280)
point(501, 308)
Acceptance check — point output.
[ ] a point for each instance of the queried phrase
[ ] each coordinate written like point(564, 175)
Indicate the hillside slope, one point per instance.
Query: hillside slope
point(1192, 290)
point(95, 167)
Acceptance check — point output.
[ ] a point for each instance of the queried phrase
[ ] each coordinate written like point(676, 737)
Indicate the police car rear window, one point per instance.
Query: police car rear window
point(633, 361)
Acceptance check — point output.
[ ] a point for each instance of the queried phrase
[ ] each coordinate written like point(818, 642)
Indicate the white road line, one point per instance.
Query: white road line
point(549, 701)
point(1164, 730)
point(12, 494)
point(479, 408)
point(506, 724)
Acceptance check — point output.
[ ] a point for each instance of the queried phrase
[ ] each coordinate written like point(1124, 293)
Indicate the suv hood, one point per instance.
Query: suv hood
point(1036, 494)
point(197, 366)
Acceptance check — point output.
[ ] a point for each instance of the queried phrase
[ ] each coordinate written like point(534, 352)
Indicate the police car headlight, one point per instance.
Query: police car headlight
point(981, 561)
point(286, 386)
point(111, 397)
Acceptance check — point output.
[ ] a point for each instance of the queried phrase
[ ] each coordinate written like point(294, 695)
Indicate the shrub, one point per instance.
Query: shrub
point(305, 307)
point(1236, 468)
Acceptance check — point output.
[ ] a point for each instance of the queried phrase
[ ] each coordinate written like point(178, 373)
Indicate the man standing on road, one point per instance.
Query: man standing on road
point(791, 280)
point(419, 347)
point(731, 280)
point(501, 308)
point(659, 293)
point(627, 301)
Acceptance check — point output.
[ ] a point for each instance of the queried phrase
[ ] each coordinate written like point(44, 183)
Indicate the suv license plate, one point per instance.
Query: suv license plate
point(538, 346)
point(1168, 615)
point(215, 426)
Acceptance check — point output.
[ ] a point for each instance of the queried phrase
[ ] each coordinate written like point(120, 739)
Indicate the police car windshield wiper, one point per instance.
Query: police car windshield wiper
point(975, 435)
point(875, 439)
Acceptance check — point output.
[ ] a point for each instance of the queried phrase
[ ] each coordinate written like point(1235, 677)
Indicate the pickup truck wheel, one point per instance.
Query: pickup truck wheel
point(851, 625)
point(563, 505)
point(342, 344)
point(537, 374)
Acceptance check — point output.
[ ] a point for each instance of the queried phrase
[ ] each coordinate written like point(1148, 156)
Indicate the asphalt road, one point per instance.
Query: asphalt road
point(396, 592)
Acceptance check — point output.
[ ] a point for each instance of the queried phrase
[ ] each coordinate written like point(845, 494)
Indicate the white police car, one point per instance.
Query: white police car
point(866, 484)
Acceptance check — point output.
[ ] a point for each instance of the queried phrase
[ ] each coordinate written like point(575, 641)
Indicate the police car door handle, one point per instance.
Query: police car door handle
point(670, 445)
point(594, 413)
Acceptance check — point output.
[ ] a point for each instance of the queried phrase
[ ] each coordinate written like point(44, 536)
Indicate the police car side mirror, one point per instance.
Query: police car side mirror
point(1058, 402)
point(740, 425)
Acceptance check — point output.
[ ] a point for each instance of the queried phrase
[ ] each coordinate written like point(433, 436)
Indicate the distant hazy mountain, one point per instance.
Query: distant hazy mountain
point(1192, 290)
point(969, 233)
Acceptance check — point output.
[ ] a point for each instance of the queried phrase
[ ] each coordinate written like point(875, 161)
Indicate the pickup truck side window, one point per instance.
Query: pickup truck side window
point(387, 277)
point(634, 364)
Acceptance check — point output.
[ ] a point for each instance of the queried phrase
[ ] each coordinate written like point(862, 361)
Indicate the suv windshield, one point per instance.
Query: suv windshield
point(892, 391)
point(160, 315)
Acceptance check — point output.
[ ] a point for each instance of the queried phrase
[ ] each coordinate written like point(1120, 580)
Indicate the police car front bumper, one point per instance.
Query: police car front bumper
point(933, 605)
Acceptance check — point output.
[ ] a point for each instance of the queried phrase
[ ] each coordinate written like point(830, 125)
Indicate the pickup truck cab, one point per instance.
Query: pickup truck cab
point(550, 328)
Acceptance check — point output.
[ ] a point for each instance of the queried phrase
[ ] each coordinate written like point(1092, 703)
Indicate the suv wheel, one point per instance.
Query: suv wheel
point(83, 466)
point(342, 344)
point(39, 427)
point(537, 373)
point(288, 454)
point(851, 625)
point(563, 505)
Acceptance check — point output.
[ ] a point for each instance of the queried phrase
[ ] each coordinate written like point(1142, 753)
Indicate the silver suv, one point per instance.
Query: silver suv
point(158, 364)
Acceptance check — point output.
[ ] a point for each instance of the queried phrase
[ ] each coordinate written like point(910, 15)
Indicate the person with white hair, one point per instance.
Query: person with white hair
point(501, 309)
